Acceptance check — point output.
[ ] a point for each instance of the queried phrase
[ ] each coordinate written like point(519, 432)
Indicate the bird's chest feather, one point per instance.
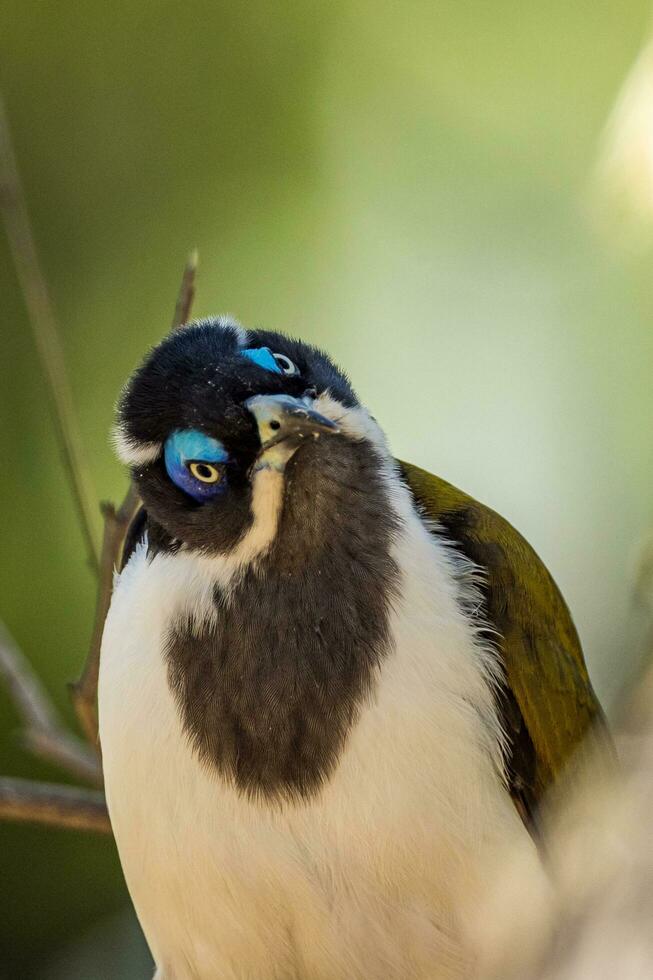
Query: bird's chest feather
point(300, 778)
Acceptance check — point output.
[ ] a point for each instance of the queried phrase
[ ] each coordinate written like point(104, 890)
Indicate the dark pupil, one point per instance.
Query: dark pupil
point(203, 470)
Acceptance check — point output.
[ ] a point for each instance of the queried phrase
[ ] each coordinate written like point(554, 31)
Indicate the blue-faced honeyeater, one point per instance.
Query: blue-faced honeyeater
point(333, 688)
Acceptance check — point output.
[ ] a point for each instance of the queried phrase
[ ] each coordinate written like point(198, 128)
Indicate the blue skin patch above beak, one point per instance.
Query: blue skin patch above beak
point(186, 446)
point(263, 357)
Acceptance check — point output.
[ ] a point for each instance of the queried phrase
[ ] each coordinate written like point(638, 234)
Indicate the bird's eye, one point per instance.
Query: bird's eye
point(204, 472)
point(285, 365)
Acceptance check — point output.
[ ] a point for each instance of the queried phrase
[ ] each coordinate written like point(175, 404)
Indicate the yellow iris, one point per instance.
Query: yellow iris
point(204, 472)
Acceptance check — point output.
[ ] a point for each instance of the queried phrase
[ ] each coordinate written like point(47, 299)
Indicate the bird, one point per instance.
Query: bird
point(333, 690)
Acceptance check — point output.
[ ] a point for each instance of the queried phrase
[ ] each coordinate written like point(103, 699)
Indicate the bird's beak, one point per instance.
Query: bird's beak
point(280, 418)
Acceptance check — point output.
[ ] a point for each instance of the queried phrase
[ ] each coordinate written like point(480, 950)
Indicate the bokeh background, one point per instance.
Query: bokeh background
point(428, 190)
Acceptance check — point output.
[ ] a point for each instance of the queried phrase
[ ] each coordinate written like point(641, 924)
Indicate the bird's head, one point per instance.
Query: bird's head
point(218, 419)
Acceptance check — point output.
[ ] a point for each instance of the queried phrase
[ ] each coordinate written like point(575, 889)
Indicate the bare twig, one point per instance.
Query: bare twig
point(54, 805)
point(116, 525)
point(44, 733)
point(643, 592)
point(84, 691)
point(46, 334)
point(186, 292)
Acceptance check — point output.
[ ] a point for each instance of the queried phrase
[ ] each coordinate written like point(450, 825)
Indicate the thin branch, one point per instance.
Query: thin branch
point(23, 685)
point(44, 734)
point(186, 292)
point(57, 806)
point(116, 525)
point(84, 691)
point(46, 334)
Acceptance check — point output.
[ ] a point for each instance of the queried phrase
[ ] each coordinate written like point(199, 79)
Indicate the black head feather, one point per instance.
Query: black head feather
point(197, 378)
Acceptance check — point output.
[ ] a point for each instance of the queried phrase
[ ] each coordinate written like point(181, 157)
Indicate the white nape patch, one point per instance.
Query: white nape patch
point(357, 423)
point(132, 452)
point(225, 322)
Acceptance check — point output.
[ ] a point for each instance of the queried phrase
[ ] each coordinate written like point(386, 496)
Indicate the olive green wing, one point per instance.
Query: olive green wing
point(548, 704)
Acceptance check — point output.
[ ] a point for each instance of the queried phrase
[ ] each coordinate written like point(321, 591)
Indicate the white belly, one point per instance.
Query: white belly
point(374, 877)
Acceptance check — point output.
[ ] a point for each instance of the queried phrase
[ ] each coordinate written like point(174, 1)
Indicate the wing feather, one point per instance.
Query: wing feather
point(548, 705)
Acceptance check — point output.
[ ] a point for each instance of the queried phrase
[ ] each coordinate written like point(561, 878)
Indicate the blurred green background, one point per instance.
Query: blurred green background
point(405, 184)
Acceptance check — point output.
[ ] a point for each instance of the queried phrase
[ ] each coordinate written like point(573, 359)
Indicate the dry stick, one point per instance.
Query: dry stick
point(186, 294)
point(58, 806)
point(84, 691)
point(46, 334)
point(43, 732)
point(116, 525)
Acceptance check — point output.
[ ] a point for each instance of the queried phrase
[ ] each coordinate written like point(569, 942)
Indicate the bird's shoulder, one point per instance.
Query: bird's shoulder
point(547, 704)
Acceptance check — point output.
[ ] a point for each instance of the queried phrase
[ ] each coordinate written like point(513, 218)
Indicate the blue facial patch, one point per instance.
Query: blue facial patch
point(264, 357)
point(187, 446)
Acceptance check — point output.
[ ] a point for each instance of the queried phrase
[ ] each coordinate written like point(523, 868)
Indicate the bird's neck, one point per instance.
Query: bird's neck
point(270, 685)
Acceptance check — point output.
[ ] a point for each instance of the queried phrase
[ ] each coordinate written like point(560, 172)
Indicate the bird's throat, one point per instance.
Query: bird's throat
point(269, 688)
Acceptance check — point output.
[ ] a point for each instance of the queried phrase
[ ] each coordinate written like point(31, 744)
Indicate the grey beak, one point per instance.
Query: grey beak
point(280, 417)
